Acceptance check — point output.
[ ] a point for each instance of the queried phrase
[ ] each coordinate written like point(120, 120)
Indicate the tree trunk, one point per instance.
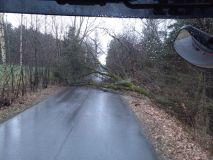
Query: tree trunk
point(3, 52)
point(21, 57)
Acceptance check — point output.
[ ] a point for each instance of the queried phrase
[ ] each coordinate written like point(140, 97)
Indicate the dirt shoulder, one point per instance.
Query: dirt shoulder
point(168, 136)
point(28, 100)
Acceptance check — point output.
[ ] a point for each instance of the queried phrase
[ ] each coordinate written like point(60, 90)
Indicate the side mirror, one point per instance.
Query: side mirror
point(195, 46)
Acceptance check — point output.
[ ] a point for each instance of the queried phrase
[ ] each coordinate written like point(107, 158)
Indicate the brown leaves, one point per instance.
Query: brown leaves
point(165, 132)
point(26, 101)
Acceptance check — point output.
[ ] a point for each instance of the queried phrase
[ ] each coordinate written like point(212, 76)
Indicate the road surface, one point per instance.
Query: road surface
point(76, 124)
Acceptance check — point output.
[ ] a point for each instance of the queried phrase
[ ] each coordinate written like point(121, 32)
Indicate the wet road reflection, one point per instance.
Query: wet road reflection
point(80, 124)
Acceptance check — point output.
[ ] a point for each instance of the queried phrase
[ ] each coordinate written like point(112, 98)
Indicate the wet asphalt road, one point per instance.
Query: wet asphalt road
point(76, 124)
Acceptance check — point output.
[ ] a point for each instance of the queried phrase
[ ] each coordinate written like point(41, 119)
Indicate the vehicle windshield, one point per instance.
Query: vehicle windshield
point(134, 57)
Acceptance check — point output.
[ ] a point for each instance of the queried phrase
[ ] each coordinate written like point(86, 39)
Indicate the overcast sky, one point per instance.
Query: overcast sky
point(115, 25)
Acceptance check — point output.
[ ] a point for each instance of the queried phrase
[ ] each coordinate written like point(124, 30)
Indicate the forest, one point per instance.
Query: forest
point(41, 51)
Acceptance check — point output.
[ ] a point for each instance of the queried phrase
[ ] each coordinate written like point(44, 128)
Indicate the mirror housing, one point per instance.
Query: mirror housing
point(195, 46)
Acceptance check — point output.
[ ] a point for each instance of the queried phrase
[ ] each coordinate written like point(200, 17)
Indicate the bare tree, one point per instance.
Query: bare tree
point(3, 52)
point(21, 81)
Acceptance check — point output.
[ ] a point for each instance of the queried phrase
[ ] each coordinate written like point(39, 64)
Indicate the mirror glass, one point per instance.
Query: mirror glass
point(193, 50)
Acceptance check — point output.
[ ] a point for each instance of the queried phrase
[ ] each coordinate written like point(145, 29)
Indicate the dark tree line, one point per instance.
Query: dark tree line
point(148, 60)
point(33, 59)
